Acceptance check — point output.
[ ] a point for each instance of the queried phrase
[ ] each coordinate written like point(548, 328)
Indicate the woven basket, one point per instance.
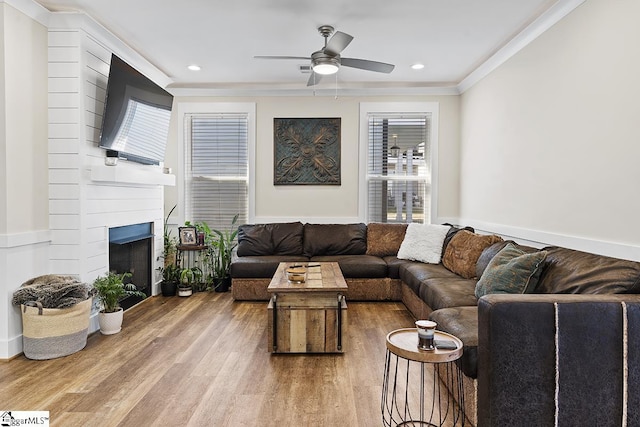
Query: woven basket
point(48, 333)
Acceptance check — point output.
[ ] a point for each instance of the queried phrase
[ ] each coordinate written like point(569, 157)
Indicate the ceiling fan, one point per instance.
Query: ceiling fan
point(328, 60)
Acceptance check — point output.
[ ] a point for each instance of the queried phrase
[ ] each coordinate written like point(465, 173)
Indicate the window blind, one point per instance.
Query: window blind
point(398, 168)
point(217, 168)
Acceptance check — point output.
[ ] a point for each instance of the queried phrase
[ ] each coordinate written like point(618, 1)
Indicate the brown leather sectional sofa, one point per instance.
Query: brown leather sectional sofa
point(565, 353)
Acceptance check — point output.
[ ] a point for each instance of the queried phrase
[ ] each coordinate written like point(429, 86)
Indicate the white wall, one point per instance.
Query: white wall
point(23, 180)
point(550, 146)
point(326, 203)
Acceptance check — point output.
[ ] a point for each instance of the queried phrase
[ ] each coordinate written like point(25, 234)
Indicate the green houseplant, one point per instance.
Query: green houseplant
point(170, 279)
point(190, 278)
point(110, 290)
point(223, 251)
point(170, 242)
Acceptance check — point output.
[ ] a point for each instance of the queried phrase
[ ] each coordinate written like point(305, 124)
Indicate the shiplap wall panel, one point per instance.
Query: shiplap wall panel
point(58, 38)
point(57, 207)
point(66, 237)
point(82, 211)
point(64, 222)
point(63, 146)
point(64, 176)
point(64, 191)
point(97, 234)
point(63, 130)
point(65, 252)
point(69, 54)
point(63, 161)
point(92, 134)
point(105, 206)
point(64, 100)
point(66, 267)
point(63, 69)
point(64, 84)
point(63, 115)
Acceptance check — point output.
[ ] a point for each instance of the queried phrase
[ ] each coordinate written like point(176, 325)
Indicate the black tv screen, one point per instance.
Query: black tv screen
point(136, 115)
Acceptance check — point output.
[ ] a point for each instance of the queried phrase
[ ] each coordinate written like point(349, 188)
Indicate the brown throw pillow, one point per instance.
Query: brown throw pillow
point(384, 239)
point(463, 252)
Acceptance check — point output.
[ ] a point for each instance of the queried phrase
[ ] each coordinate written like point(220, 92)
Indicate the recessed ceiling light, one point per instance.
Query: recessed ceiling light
point(194, 67)
point(417, 66)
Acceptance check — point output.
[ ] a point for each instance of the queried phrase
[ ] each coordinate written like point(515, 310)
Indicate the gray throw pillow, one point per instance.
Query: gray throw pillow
point(511, 271)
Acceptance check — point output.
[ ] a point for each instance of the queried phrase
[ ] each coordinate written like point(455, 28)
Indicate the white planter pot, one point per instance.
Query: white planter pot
point(184, 292)
point(110, 323)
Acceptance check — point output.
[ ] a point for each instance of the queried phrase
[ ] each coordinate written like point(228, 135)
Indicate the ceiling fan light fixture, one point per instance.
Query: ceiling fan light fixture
point(325, 69)
point(324, 64)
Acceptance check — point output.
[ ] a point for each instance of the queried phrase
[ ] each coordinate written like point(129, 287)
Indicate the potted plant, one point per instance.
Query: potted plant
point(170, 241)
point(189, 277)
point(223, 250)
point(170, 279)
point(110, 290)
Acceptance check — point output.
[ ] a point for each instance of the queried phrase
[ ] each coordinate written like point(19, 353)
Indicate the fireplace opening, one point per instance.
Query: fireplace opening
point(130, 252)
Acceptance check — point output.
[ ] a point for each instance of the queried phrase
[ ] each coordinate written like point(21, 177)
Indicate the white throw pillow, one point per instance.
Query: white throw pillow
point(423, 242)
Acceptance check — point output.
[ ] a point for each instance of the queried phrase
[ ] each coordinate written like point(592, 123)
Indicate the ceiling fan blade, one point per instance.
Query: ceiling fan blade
point(338, 42)
point(363, 64)
point(314, 79)
point(281, 57)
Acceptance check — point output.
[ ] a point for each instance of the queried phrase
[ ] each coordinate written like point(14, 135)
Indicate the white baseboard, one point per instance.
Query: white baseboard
point(11, 347)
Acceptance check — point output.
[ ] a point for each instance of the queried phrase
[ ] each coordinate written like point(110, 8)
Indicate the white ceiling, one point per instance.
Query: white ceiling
point(451, 38)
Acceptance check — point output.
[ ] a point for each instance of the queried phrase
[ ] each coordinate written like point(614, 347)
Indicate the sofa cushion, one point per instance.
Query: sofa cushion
point(511, 271)
point(254, 239)
point(440, 292)
point(414, 273)
point(461, 322)
point(452, 232)
point(260, 266)
point(489, 252)
point(423, 242)
point(394, 264)
point(384, 239)
point(270, 239)
point(568, 271)
point(357, 266)
point(286, 238)
point(334, 239)
point(463, 252)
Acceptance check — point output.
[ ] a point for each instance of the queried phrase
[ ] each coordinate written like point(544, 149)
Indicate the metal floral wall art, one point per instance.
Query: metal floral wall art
point(306, 151)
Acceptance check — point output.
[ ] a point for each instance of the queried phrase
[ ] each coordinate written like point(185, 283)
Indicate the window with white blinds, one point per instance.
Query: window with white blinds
point(216, 168)
point(398, 167)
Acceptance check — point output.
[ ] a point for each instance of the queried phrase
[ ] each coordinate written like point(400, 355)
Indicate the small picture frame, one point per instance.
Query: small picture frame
point(188, 236)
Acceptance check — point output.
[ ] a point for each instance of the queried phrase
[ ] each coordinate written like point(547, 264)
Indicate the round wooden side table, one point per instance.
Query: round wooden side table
point(404, 402)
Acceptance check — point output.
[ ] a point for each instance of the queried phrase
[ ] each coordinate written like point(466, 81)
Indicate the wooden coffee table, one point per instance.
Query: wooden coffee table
point(307, 317)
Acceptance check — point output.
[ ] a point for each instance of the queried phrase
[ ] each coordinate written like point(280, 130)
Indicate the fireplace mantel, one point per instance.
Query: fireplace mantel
point(122, 175)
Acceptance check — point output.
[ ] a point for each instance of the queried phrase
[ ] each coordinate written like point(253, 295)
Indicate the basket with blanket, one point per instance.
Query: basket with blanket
point(55, 315)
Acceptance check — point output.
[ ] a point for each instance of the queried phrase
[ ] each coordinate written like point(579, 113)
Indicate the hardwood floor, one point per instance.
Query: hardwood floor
point(203, 361)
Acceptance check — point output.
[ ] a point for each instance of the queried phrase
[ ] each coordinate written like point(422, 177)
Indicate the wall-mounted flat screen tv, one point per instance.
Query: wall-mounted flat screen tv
point(136, 115)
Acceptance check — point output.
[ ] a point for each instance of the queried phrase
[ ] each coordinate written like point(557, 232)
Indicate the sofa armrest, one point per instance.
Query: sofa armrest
point(558, 360)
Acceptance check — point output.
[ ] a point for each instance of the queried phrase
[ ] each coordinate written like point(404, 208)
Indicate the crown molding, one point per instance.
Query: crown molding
point(292, 90)
point(31, 9)
point(545, 21)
